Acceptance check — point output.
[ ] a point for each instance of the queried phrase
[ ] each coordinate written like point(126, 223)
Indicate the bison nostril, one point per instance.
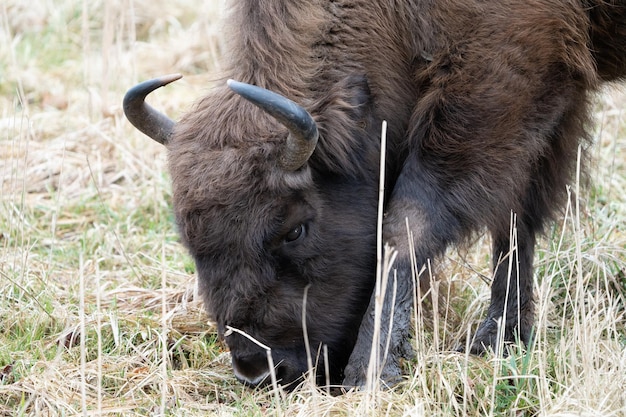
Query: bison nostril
point(251, 370)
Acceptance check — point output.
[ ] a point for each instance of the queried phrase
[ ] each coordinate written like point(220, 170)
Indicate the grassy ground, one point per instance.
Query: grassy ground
point(98, 306)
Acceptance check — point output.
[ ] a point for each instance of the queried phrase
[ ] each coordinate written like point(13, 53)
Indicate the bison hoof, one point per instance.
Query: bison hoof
point(487, 338)
point(356, 376)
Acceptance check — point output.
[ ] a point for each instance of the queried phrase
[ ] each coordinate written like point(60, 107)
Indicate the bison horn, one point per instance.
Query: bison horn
point(145, 118)
point(303, 129)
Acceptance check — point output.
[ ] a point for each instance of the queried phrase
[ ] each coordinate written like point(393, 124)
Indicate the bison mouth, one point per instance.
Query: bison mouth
point(257, 365)
point(255, 370)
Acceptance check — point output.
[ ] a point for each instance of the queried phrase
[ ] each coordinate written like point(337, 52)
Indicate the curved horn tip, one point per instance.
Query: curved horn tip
point(170, 78)
point(144, 88)
point(237, 86)
point(141, 115)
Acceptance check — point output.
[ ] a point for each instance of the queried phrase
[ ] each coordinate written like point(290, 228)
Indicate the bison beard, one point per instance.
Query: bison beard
point(487, 104)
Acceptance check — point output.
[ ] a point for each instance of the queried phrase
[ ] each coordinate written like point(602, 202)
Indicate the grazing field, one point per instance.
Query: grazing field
point(99, 312)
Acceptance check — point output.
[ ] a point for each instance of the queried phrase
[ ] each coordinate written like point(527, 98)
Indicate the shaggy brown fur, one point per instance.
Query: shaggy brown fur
point(487, 103)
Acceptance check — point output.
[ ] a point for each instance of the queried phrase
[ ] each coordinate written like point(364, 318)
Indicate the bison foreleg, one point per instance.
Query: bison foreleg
point(419, 226)
point(512, 307)
point(385, 329)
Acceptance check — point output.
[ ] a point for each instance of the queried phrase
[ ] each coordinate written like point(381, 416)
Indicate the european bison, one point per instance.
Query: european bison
point(487, 102)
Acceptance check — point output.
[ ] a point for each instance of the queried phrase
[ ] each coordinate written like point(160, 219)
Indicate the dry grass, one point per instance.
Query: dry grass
point(98, 305)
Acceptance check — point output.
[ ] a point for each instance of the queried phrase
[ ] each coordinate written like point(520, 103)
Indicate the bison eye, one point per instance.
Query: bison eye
point(296, 233)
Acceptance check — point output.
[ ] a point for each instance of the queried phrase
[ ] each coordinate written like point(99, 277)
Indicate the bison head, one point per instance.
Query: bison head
point(267, 215)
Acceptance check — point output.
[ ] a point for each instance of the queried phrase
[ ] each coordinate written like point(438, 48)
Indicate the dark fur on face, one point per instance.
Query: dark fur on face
point(487, 104)
point(237, 217)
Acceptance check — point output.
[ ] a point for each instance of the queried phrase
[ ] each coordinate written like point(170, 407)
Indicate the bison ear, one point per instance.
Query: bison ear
point(348, 100)
point(344, 117)
point(356, 91)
